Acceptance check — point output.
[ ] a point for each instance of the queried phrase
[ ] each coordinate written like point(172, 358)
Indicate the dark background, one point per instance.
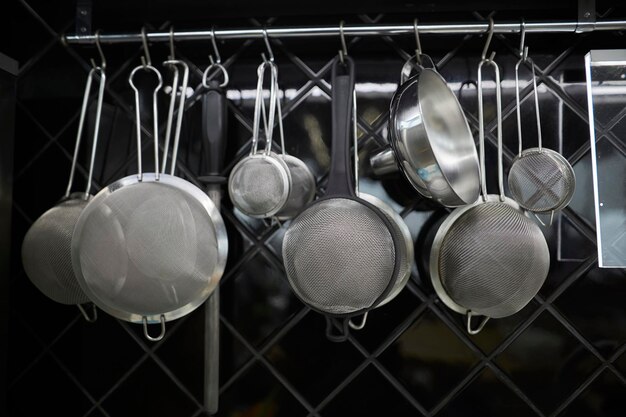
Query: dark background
point(563, 355)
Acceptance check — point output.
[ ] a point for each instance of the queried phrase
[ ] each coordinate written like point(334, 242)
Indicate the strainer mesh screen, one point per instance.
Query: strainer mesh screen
point(302, 188)
point(257, 186)
point(47, 253)
point(147, 248)
point(339, 256)
point(539, 182)
point(493, 260)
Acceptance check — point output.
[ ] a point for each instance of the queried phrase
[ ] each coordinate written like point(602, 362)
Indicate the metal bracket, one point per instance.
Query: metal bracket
point(83, 17)
point(586, 16)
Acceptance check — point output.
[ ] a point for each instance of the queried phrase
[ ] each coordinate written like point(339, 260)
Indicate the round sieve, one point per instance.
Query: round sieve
point(541, 180)
point(259, 184)
point(46, 250)
point(488, 258)
point(150, 247)
point(341, 253)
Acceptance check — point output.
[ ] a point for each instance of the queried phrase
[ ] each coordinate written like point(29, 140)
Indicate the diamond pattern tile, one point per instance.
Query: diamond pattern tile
point(549, 368)
point(428, 359)
point(275, 360)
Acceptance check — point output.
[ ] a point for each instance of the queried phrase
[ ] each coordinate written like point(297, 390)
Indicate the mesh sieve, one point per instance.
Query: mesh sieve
point(148, 248)
point(541, 180)
point(302, 188)
point(340, 253)
point(494, 260)
point(259, 184)
point(46, 250)
point(339, 256)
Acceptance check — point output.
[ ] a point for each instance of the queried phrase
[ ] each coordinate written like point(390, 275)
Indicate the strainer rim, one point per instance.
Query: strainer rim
point(194, 193)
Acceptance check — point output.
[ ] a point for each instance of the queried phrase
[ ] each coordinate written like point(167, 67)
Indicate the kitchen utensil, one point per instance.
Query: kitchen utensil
point(302, 188)
point(46, 250)
point(341, 254)
point(487, 258)
point(149, 247)
point(430, 137)
point(259, 184)
point(541, 180)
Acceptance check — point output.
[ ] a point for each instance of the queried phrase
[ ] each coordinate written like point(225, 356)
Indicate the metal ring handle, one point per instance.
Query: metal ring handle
point(94, 316)
point(170, 112)
point(145, 329)
point(155, 113)
point(259, 107)
point(481, 128)
point(523, 59)
point(274, 102)
point(179, 115)
point(206, 77)
point(361, 325)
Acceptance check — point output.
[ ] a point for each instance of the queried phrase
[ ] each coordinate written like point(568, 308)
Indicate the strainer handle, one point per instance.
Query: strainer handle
point(343, 335)
point(478, 329)
point(340, 177)
point(523, 59)
point(155, 121)
point(259, 108)
point(179, 115)
point(144, 320)
point(81, 124)
point(481, 127)
point(170, 112)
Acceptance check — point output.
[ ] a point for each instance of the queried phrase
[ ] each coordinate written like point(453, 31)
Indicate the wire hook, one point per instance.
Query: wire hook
point(489, 36)
point(172, 56)
point(103, 61)
point(218, 58)
point(523, 50)
point(418, 47)
point(266, 39)
point(145, 59)
point(344, 49)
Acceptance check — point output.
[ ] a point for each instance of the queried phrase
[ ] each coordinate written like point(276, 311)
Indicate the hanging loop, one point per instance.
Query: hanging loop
point(144, 320)
point(418, 44)
point(488, 42)
point(343, 52)
point(266, 39)
point(94, 313)
point(103, 61)
point(523, 50)
point(145, 59)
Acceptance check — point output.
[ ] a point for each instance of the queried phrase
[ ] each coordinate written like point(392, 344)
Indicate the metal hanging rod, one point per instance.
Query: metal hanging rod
point(352, 30)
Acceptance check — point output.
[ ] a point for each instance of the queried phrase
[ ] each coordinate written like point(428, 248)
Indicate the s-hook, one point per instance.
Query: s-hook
point(103, 61)
point(344, 49)
point(214, 64)
point(145, 59)
point(483, 56)
point(266, 39)
point(418, 44)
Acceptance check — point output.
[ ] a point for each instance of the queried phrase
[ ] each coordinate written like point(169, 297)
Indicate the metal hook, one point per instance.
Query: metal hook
point(483, 56)
point(103, 61)
point(344, 49)
point(418, 48)
point(172, 53)
point(267, 45)
point(218, 58)
point(93, 317)
point(523, 50)
point(145, 59)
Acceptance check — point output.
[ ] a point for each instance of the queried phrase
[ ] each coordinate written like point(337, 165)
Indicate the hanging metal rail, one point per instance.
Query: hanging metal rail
point(353, 30)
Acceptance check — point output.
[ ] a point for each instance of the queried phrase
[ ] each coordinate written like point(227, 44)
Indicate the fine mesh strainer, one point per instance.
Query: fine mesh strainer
point(488, 258)
point(341, 254)
point(259, 184)
point(541, 180)
point(149, 247)
point(46, 250)
point(302, 188)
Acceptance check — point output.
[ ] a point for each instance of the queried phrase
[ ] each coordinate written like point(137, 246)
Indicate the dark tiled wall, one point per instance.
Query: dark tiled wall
point(563, 355)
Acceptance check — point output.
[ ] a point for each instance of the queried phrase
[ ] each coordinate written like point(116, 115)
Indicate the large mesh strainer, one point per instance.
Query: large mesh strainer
point(150, 247)
point(46, 250)
point(541, 180)
point(488, 258)
point(341, 253)
point(259, 184)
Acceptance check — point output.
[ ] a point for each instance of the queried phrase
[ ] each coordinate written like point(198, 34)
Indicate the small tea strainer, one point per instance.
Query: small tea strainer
point(541, 180)
point(259, 184)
